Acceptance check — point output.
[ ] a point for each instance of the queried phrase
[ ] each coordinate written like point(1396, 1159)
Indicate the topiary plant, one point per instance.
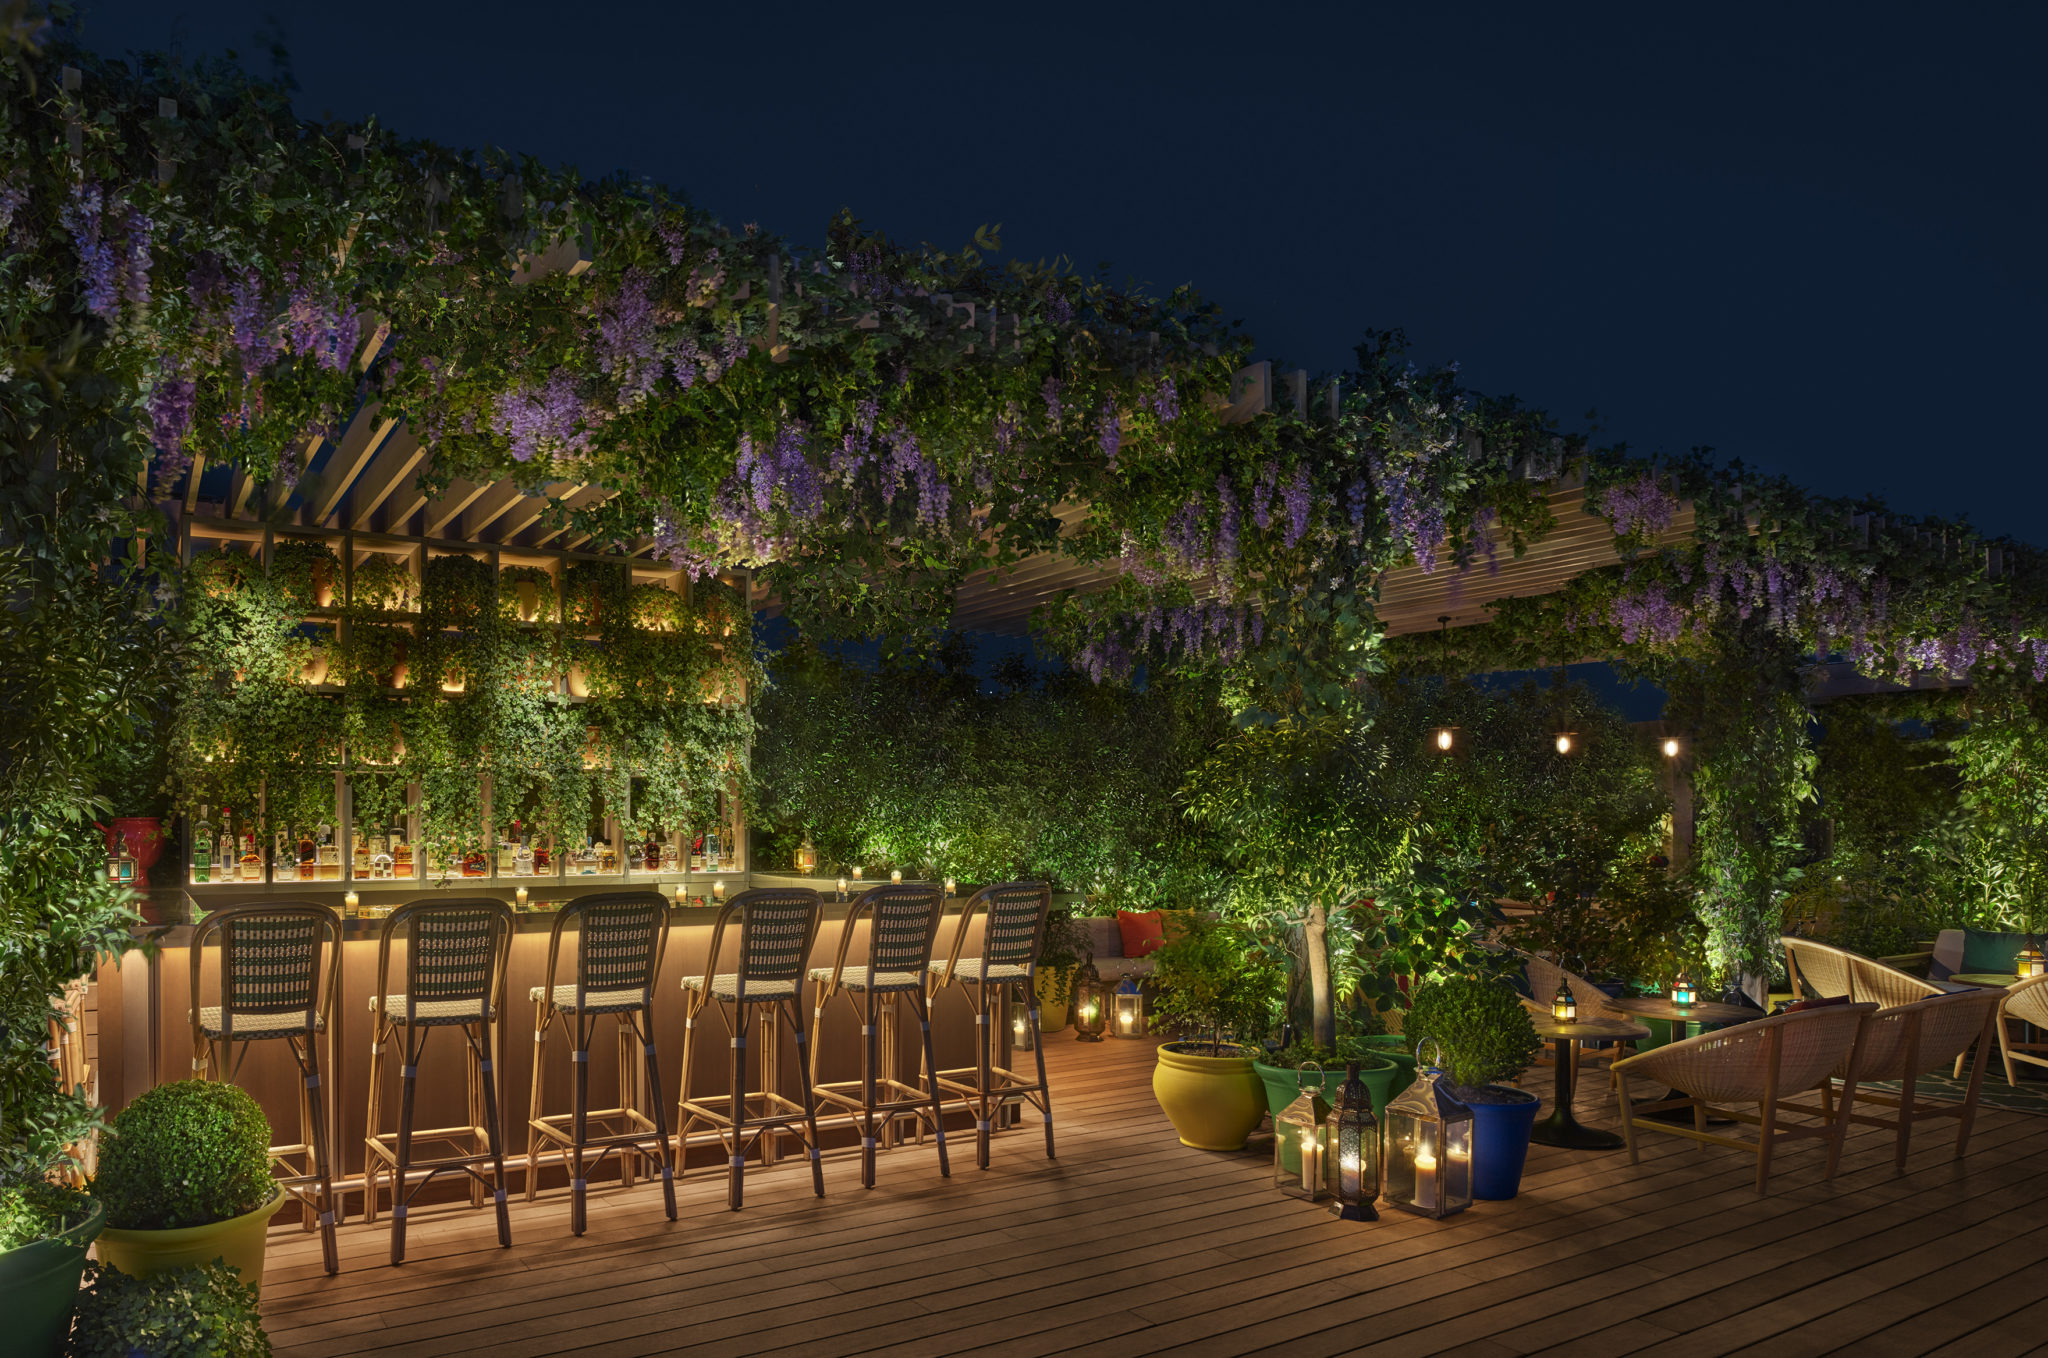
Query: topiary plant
point(38, 1210)
point(202, 1311)
point(1212, 981)
point(1481, 1026)
point(187, 1153)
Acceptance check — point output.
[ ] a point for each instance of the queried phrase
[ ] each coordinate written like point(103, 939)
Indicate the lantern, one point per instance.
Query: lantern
point(806, 856)
point(1446, 737)
point(951, 888)
point(1301, 1147)
point(1354, 1139)
point(842, 888)
point(1564, 741)
point(2030, 962)
point(1671, 747)
point(896, 874)
point(1682, 991)
point(1089, 1018)
point(1428, 1154)
point(1020, 1027)
point(1127, 1010)
point(1564, 1006)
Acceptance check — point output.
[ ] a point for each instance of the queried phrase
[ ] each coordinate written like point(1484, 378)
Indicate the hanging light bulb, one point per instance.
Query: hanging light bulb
point(1444, 737)
point(1671, 747)
point(1564, 742)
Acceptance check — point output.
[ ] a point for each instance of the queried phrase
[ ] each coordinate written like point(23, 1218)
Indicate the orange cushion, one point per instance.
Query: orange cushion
point(1143, 931)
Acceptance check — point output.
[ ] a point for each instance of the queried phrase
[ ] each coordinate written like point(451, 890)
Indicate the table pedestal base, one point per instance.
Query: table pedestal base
point(1561, 1128)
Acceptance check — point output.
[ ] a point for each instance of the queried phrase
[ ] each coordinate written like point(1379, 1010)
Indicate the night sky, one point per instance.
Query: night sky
point(1808, 239)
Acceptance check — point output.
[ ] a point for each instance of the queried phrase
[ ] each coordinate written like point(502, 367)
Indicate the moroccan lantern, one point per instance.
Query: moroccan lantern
point(1682, 993)
point(1089, 1015)
point(807, 856)
point(1354, 1141)
point(1020, 1027)
point(2030, 963)
point(1564, 1006)
point(1428, 1156)
point(1301, 1146)
point(1127, 1010)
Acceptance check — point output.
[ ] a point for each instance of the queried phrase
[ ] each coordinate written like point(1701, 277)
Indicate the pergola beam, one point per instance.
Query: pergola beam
point(396, 461)
point(366, 434)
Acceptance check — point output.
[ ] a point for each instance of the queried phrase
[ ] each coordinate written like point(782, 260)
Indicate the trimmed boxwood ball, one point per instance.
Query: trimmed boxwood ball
point(203, 1311)
point(185, 1154)
point(1482, 1027)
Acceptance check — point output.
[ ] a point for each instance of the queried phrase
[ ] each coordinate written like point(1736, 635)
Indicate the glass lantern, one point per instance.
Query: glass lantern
point(1301, 1140)
point(1564, 1006)
point(1428, 1155)
point(1089, 1006)
point(1682, 993)
point(1020, 1026)
point(2030, 962)
point(807, 856)
point(1354, 1140)
point(1127, 1010)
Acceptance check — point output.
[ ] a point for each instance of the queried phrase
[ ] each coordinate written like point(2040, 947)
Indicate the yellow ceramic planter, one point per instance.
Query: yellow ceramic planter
point(1214, 1102)
point(1052, 1016)
point(238, 1241)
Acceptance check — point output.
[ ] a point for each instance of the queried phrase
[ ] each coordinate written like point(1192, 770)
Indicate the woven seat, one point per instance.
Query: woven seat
point(434, 1013)
point(594, 1001)
point(2026, 1002)
point(255, 1026)
point(1821, 971)
point(856, 978)
point(970, 968)
point(726, 986)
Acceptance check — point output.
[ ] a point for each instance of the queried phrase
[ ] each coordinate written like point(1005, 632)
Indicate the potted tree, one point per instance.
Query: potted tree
point(1485, 1036)
point(1213, 988)
point(1060, 954)
point(185, 1175)
point(45, 1229)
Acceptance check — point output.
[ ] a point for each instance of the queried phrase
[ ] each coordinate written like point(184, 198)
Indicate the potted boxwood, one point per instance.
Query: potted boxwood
point(1485, 1035)
point(1061, 952)
point(200, 1309)
point(1212, 985)
point(184, 1172)
point(45, 1229)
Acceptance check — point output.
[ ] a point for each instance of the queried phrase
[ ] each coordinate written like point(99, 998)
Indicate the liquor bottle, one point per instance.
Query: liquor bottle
point(380, 866)
point(668, 853)
point(650, 855)
point(359, 854)
point(330, 855)
point(607, 857)
point(508, 851)
point(284, 858)
point(224, 853)
point(380, 842)
point(120, 863)
point(202, 850)
point(252, 857)
point(524, 856)
point(401, 850)
point(697, 854)
point(584, 860)
point(474, 863)
point(543, 859)
point(308, 851)
point(713, 851)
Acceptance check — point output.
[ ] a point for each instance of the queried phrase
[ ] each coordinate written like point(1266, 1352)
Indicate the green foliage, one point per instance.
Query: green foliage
point(203, 1311)
point(914, 764)
point(1643, 928)
point(1480, 1024)
point(1062, 949)
point(1420, 929)
point(37, 1210)
point(187, 1153)
point(1214, 985)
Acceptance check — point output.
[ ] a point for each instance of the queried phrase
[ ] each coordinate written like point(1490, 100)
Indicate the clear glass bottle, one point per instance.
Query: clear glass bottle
point(668, 853)
point(584, 860)
point(225, 856)
point(284, 860)
point(508, 852)
point(330, 855)
point(607, 857)
point(202, 850)
point(523, 857)
point(713, 850)
point(121, 863)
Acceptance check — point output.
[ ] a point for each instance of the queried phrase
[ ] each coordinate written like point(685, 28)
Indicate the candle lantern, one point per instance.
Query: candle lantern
point(1127, 1009)
point(1354, 1141)
point(842, 888)
point(1301, 1146)
point(1428, 1155)
point(1564, 1006)
point(896, 874)
point(1446, 738)
point(1020, 1025)
point(1089, 1018)
point(806, 856)
point(2030, 963)
point(1682, 991)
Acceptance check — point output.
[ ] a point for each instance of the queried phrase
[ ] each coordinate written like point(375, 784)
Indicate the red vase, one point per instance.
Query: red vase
point(145, 839)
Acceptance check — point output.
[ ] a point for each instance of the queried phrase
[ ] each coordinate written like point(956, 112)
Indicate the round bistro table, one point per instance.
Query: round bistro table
point(1561, 1128)
point(1990, 980)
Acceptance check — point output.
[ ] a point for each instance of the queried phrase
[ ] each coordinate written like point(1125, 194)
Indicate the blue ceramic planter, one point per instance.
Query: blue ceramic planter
point(1500, 1142)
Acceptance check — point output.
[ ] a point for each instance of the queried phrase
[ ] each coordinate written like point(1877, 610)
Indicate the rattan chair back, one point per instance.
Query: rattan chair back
point(1547, 977)
point(456, 955)
point(1822, 971)
point(270, 961)
point(777, 927)
point(903, 921)
point(620, 938)
point(2028, 1001)
point(1733, 1065)
point(1919, 1038)
point(1016, 923)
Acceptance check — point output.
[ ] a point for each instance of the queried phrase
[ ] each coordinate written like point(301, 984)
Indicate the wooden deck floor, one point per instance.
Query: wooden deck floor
point(1133, 1244)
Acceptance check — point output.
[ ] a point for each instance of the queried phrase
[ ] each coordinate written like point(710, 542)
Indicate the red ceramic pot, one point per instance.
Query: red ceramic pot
point(145, 839)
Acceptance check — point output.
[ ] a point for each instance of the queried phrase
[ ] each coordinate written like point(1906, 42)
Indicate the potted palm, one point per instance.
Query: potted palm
point(184, 1172)
point(45, 1229)
point(1485, 1035)
point(1213, 987)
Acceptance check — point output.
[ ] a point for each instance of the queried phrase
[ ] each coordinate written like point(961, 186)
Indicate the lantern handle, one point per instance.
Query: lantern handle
point(1301, 1075)
point(1437, 1065)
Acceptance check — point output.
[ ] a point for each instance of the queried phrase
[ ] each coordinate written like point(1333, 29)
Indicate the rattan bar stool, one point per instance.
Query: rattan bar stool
point(902, 923)
point(456, 957)
point(272, 987)
point(1015, 914)
point(778, 925)
point(620, 938)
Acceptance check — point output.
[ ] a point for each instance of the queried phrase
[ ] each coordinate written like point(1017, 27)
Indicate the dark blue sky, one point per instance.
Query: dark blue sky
point(1807, 236)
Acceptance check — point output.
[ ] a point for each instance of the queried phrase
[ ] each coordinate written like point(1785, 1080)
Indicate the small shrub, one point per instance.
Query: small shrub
point(184, 1154)
point(204, 1311)
point(1481, 1026)
point(38, 1210)
point(1213, 981)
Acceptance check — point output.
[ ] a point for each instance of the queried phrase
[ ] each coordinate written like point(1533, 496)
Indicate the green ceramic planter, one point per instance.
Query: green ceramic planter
point(39, 1286)
point(1282, 1084)
point(1393, 1047)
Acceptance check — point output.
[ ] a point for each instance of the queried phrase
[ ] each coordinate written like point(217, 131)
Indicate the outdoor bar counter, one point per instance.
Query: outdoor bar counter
point(145, 1035)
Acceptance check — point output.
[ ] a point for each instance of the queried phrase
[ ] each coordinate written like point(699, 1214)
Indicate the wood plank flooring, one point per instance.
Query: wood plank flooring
point(1133, 1244)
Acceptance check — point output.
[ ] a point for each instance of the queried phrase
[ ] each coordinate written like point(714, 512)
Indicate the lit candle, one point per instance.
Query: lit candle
point(1018, 1024)
point(349, 903)
point(856, 872)
point(896, 874)
point(949, 886)
point(521, 894)
point(1425, 1179)
point(682, 893)
point(842, 888)
point(718, 891)
point(1127, 1020)
point(1349, 1168)
point(1311, 1162)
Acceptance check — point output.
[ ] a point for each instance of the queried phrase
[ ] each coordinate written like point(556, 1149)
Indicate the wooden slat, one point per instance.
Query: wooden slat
point(498, 497)
point(449, 506)
point(394, 466)
point(365, 435)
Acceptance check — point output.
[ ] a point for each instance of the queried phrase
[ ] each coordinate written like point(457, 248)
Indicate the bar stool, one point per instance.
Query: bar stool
point(777, 927)
point(903, 922)
point(620, 937)
point(456, 957)
point(1015, 914)
point(271, 987)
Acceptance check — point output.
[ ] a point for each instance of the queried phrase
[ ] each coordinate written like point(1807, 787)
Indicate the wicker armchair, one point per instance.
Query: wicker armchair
point(1819, 971)
point(1904, 1043)
point(2025, 1002)
point(1750, 1063)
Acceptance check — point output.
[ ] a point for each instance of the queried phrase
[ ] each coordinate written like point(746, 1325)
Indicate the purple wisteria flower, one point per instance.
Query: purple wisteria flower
point(13, 198)
point(1058, 309)
point(170, 420)
point(1164, 401)
point(136, 263)
point(626, 339)
point(1226, 530)
point(1638, 507)
point(1050, 393)
point(1109, 432)
point(249, 322)
point(1648, 614)
point(549, 420)
point(99, 259)
point(1262, 496)
point(1296, 493)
